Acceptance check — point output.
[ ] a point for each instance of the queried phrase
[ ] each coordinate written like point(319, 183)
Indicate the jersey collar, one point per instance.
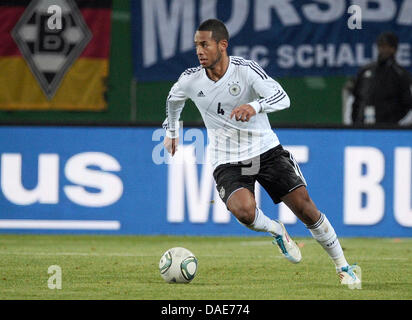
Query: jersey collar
point(226, 75)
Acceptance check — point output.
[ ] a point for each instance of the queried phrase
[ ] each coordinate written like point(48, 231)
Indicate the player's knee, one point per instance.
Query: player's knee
point(246, 215)
point(244, 210)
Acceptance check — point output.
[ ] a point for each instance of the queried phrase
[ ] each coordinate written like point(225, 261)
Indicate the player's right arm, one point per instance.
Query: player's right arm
point(174, 106)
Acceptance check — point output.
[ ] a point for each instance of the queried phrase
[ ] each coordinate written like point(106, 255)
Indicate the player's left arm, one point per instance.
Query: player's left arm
point(273, 98)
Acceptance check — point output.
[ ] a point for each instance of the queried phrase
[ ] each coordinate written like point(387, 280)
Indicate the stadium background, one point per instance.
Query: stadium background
point(116, 145)
point(124, 93)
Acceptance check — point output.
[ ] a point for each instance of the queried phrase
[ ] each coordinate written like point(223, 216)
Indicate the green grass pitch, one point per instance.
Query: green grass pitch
point(230, 268)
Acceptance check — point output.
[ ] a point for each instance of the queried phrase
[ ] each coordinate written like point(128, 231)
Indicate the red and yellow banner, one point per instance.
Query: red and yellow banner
point(54, 58)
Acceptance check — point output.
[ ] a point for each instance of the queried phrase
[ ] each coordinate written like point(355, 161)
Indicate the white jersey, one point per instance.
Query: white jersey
point(244, 82)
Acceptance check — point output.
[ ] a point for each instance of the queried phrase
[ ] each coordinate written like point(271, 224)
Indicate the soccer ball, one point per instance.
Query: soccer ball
point(178, 265)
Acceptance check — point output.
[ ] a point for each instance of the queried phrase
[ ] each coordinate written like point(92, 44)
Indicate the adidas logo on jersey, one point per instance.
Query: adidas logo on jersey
point(201, 94)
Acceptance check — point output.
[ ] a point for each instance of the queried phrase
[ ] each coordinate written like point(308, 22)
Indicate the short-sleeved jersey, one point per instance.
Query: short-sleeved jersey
point(244, 82)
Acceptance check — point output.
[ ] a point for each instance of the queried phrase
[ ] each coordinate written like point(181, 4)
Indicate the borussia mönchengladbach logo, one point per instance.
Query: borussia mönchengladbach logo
point(50, 53)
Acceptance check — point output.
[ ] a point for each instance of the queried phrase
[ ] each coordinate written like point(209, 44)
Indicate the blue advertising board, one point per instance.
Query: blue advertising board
point(287, 38)
point(119, 180)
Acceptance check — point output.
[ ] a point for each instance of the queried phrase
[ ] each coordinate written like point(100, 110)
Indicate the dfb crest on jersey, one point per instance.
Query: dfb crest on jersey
point(234, 89)
point(51, 52)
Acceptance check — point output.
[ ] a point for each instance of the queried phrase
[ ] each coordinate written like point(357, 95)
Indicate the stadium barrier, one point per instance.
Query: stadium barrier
point(119, 180)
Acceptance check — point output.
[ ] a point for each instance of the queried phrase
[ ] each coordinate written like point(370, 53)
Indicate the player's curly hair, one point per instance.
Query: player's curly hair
point(218, 28)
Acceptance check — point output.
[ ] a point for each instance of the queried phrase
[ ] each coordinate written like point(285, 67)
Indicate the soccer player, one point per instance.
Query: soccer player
point(234, 96)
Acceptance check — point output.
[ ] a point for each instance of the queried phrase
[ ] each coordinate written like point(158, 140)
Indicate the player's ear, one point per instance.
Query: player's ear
point(223, 45)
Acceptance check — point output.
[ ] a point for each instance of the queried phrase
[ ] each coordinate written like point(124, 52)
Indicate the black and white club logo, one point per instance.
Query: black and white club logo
point(50, 52)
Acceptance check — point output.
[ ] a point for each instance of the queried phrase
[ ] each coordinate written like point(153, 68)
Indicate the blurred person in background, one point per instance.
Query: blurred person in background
point(381, 92)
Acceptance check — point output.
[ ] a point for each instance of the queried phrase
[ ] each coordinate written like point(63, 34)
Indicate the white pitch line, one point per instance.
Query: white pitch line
point(59, 224)
point(86, 254)
point(92, 254)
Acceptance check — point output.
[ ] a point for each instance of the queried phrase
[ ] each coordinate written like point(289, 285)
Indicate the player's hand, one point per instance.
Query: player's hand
point(243, 113)
point(171, 145)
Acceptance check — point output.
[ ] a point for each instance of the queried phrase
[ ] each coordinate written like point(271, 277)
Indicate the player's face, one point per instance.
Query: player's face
point(209, 52)
point(385, 51)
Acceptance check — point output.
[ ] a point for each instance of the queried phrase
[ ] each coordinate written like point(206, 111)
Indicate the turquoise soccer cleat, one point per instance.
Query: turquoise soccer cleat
point(287, 246)
point(350, 276)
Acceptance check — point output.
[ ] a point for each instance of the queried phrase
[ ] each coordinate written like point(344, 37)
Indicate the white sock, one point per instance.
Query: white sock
point(264, 223)
point(324, 233)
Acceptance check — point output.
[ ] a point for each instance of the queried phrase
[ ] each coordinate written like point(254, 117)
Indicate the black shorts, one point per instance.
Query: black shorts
point(276, 170)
